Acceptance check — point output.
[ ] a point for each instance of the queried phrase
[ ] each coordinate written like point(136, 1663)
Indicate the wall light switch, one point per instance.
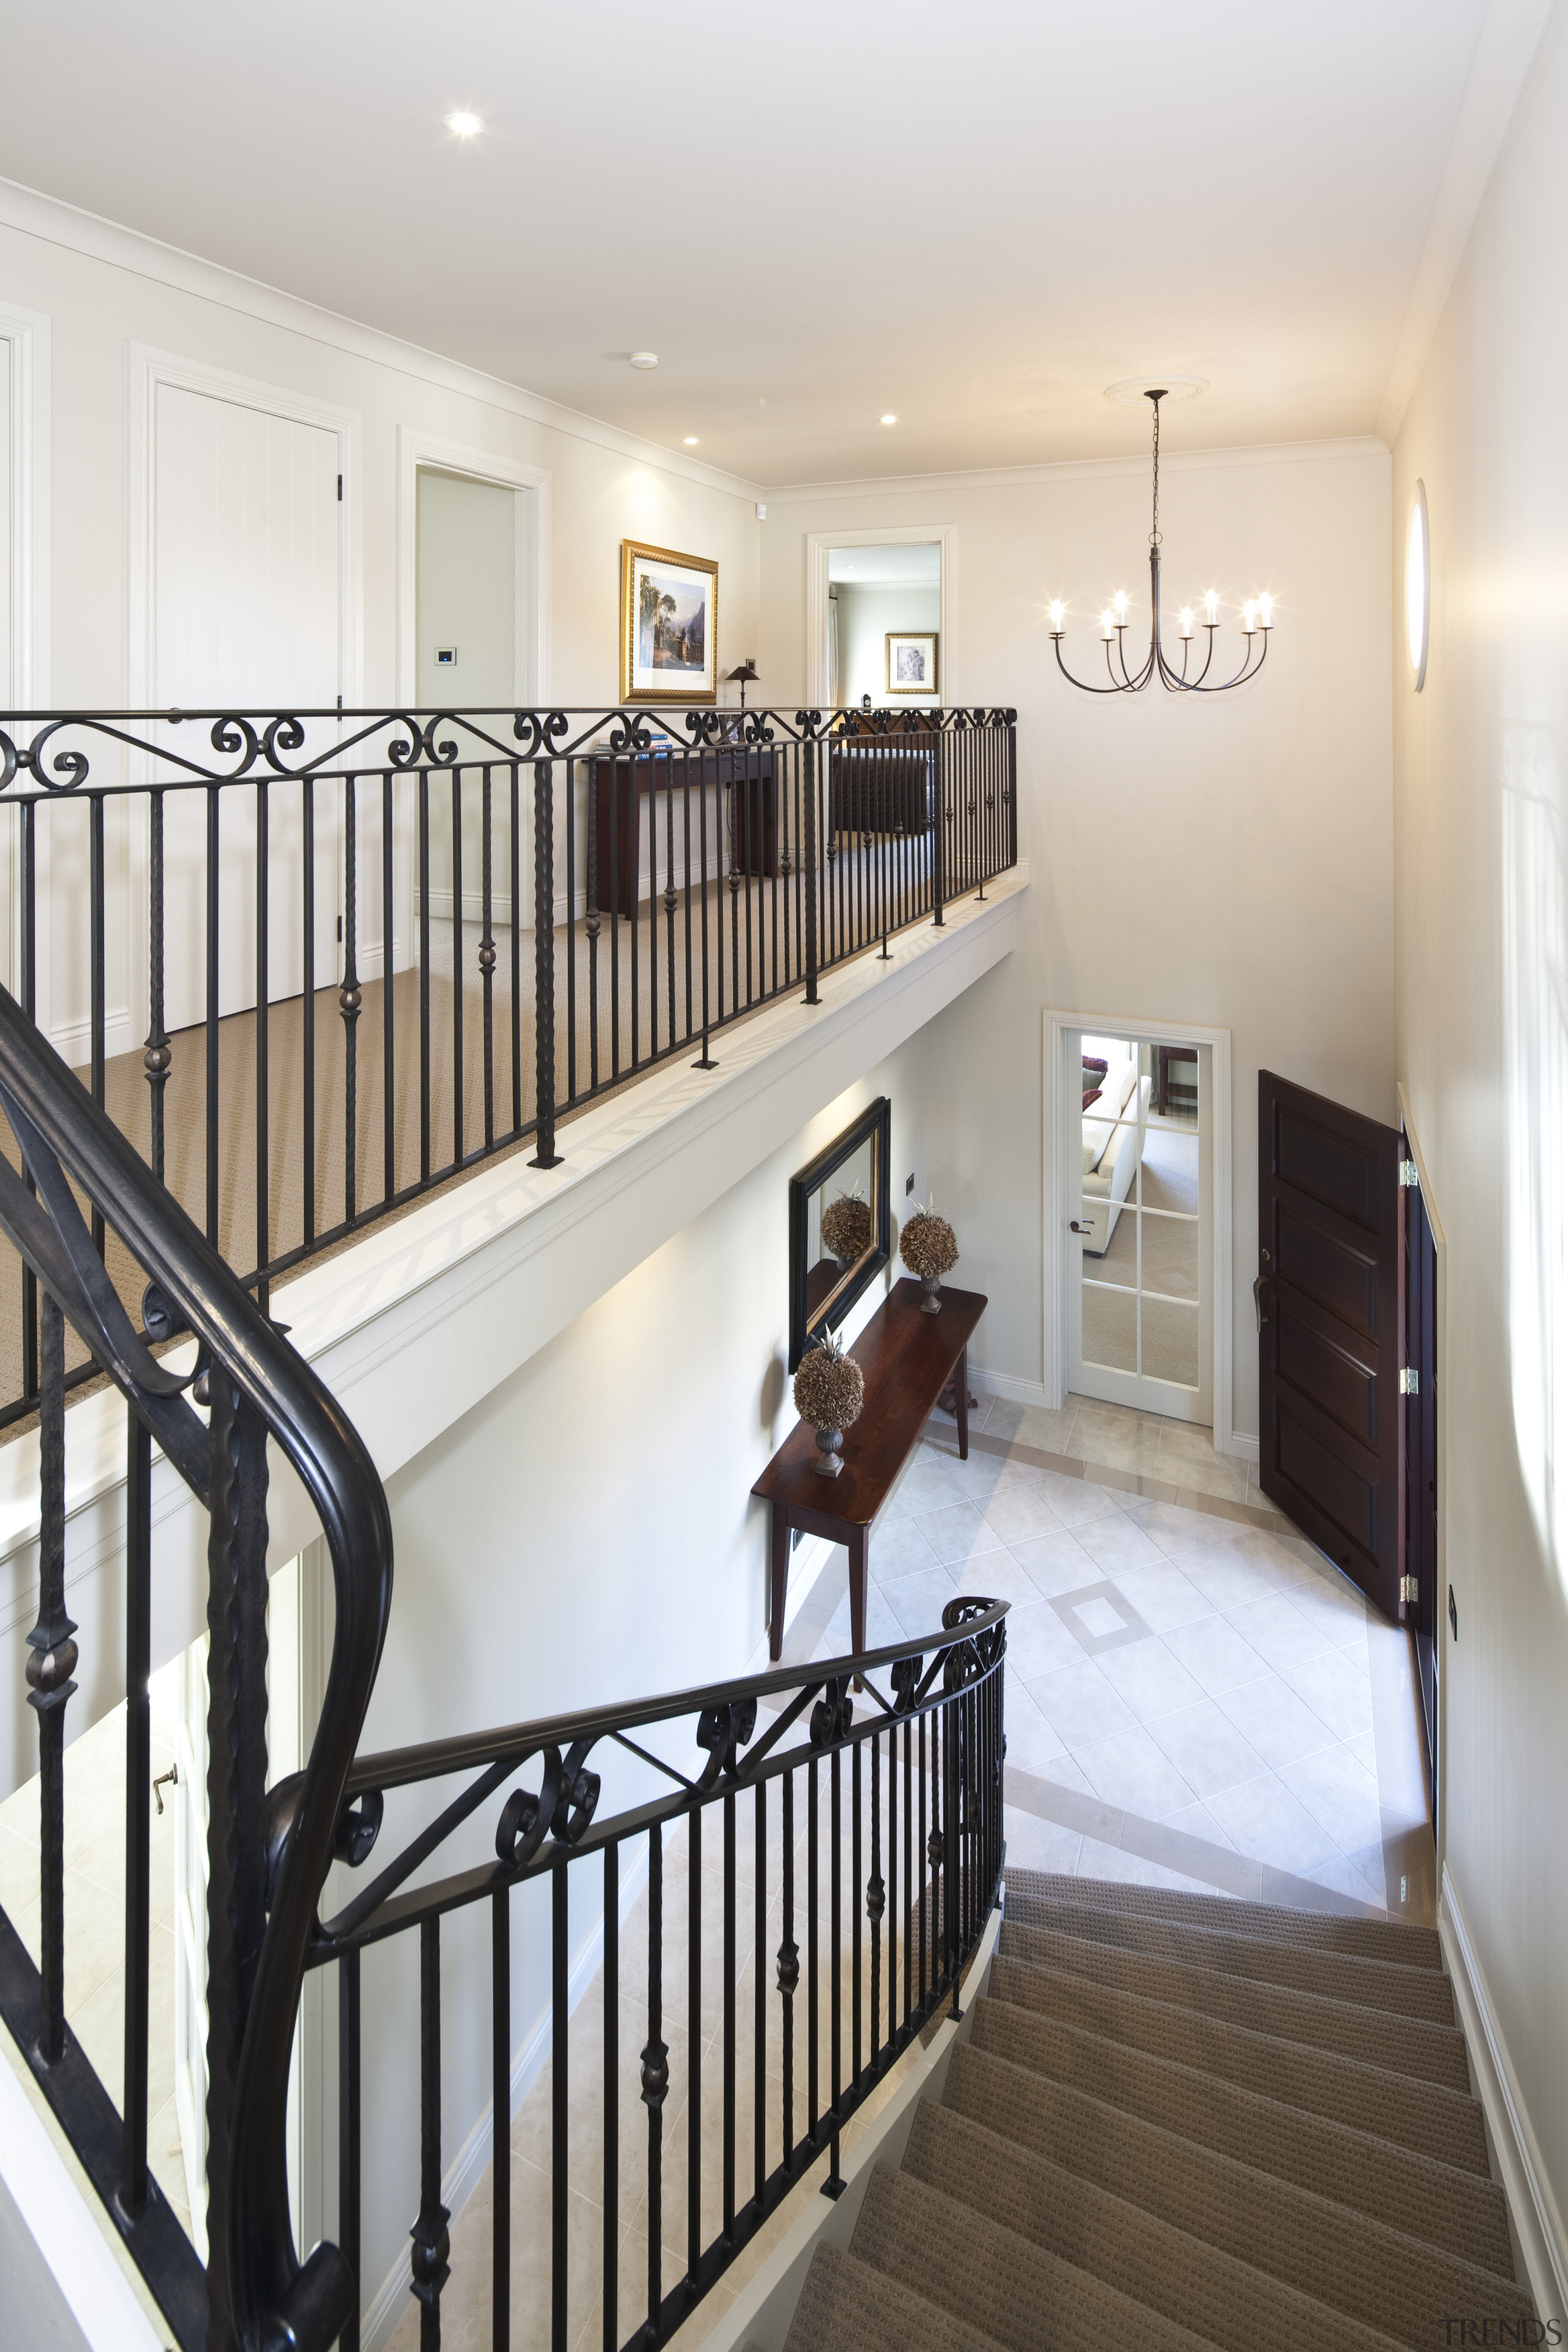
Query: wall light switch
point(446, 657)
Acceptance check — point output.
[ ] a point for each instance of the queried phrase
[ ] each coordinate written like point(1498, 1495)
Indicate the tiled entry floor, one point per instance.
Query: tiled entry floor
point(1196, 1696)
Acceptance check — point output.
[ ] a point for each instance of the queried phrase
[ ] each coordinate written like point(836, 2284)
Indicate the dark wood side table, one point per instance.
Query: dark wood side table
point(744, 829)
point(908, 1358)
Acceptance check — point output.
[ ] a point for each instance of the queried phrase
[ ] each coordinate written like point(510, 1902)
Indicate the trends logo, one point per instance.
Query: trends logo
point(1501, 2331)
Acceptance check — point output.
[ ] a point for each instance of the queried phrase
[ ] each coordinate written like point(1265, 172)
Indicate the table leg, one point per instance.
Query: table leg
point(859, 1545)
point(961, 1393)
point(780, 1581)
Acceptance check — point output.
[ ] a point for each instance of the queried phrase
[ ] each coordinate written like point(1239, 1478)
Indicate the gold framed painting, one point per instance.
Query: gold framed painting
point(911, 661)
point(669, 625)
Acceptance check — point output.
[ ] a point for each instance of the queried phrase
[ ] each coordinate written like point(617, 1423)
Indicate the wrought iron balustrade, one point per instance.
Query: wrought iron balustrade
point(315, 963)
point(857, 1849)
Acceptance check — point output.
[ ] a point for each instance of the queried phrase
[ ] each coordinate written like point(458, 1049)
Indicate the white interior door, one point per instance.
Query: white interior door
point(246, 589)
point(1139, 1245)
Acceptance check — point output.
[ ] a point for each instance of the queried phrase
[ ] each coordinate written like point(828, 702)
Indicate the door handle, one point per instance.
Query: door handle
point(1257, 1289)
point(1074, 1227)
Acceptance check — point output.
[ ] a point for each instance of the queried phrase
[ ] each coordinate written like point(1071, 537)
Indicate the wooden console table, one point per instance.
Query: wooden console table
point(748, 815)
point(908, 1358)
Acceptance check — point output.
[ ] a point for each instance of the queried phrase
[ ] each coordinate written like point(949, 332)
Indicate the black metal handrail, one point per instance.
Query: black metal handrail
point(514, 910)
point(266, 1857)
point(935, 1735)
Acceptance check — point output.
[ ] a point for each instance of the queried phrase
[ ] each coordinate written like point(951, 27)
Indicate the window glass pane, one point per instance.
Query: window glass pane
point(1110, 1329)
point(1170, 1341)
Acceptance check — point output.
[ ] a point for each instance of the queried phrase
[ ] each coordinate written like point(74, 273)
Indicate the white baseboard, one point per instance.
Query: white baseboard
point(1243, 1448)
point(468, 2167)
point(1007, 1385)
point(1525, 2184)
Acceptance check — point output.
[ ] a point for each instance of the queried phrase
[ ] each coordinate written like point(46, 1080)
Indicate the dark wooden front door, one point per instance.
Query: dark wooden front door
point(1421, 1454)
point(1329, 1337)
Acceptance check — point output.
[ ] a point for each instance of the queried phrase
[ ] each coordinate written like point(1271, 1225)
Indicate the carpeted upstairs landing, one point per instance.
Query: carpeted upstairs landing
point(1184, 2121)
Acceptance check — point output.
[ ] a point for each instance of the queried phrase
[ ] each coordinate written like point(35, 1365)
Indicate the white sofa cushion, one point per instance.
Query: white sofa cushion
point(1100, 1119)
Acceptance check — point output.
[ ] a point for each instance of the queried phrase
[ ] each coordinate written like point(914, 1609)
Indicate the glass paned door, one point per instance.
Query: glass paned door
point(1139, 1241)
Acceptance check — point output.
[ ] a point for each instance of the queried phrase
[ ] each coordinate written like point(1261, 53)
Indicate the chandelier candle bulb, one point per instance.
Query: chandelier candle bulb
point(1249, 618)
point(1266, 611)
point(1056, 620)
point(1107, 626)
point(1211, 610)
point(1186, 620)
point(1119, 600)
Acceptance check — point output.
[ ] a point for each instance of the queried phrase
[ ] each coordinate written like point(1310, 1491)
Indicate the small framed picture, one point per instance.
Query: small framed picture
point(911, 661)
point(669, 625)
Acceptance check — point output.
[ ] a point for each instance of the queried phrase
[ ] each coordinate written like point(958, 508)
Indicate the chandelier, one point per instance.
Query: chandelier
point(1257, 620)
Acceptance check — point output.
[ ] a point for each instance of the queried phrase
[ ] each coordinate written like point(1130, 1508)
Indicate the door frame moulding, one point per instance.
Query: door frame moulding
point(1440, 1247)
point(819, 544)
point(415, 448)
point(1059, 1186)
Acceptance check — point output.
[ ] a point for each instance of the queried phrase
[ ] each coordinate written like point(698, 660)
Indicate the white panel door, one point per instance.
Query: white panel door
point(247, 523)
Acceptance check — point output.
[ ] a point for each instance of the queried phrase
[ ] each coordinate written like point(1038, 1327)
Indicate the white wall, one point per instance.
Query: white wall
point(588, 1534)
point(1481, 954)
point(865, 616)
point(1222, 862)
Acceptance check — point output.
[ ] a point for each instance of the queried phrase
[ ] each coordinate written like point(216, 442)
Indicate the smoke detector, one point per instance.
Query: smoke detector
point(645, 358)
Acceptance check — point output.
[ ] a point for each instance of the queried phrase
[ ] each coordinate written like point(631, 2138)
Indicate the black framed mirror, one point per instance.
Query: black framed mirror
point(840, 1233)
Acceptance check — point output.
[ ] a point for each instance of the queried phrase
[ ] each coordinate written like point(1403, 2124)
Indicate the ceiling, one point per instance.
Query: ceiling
point(973, 219)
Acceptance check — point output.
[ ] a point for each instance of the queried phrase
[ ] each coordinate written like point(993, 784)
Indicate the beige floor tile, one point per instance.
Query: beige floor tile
point(1031, 1424)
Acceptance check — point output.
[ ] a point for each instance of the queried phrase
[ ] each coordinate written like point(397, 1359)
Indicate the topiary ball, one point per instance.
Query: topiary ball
point(847, 1228)
point(829, 1388)
point(928, 1246)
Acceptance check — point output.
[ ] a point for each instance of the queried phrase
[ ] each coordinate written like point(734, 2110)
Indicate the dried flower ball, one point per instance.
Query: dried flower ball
point(829, 1388)
point(847, 1228)
point(928, 1244)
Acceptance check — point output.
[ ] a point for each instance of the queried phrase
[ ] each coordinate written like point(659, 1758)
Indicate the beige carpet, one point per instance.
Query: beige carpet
point(1182, 2121)
point(619, 1003)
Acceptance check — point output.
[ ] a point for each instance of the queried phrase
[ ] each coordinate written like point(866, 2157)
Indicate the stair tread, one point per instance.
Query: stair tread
point(1320, 2245)
point(1403, 2045)
point(1400, 2184)
point(1377, 1938)
point(1016, 2292)
point(1424, 2115)
point(846, 2306)
point(1202, 2288)
point(1416, 1992)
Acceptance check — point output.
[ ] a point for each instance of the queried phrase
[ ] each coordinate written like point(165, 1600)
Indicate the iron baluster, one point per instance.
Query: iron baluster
point(428, 2238)
point(876, 1897)
point(156, 1056)
point(610, 2294)
point(694, 2047)
point(388, 1003)
point(707, 1061)
point(424, 791)
point(95, 920)
point(501, 2113)
point(813, 2018)
point(458, 976)
point(544, 963)
point(654, 2070)
point(810, 877)
point(138, 1773)
point(788, 1963)
point(855, 1908)
point(308, 996)
point(559, 2017)
point(349, 2134)
point(729, 1975)
point(516, 1117)
point(834, 2185)
point(759, 2005)
point(263, 1187)
point(349, 995)
point(591, 926)
point(29, 964)
point(908, 1867)
point(52, 1662)
point(571, 931)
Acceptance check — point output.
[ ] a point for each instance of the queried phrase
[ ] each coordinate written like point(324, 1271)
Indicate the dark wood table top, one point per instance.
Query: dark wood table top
point(908, 1358)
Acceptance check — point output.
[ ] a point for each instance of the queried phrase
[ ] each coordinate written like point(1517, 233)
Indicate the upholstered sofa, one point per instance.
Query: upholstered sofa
point(1114, 1128)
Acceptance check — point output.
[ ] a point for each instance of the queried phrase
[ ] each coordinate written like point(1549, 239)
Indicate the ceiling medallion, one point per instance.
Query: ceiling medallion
point(1257, 621)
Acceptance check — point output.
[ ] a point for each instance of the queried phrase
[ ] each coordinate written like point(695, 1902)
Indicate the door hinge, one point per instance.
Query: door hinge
point(1409, 1382)
point(1407, 1175)
point(1410, 1589)
point(340, 489)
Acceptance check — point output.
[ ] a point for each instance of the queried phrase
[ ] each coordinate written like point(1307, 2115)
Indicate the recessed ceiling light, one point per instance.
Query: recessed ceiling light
point(645, 358)
point(467, 126)
point(888, 420)
point(692, 440)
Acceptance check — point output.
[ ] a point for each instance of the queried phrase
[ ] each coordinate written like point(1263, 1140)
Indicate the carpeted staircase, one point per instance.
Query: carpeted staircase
point(1182, 2121)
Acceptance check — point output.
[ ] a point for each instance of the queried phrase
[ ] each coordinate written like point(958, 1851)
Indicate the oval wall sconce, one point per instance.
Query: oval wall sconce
point(1419, 586)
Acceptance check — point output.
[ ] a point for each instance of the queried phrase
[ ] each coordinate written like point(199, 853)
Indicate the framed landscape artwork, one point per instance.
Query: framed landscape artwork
point(669, 625)
point(911, 661)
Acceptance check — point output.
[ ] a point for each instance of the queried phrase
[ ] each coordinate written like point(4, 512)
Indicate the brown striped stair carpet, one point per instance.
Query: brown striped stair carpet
point(1180, 2121)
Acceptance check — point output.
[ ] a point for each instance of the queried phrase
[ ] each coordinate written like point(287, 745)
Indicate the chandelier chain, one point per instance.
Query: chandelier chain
point(1154, 534)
